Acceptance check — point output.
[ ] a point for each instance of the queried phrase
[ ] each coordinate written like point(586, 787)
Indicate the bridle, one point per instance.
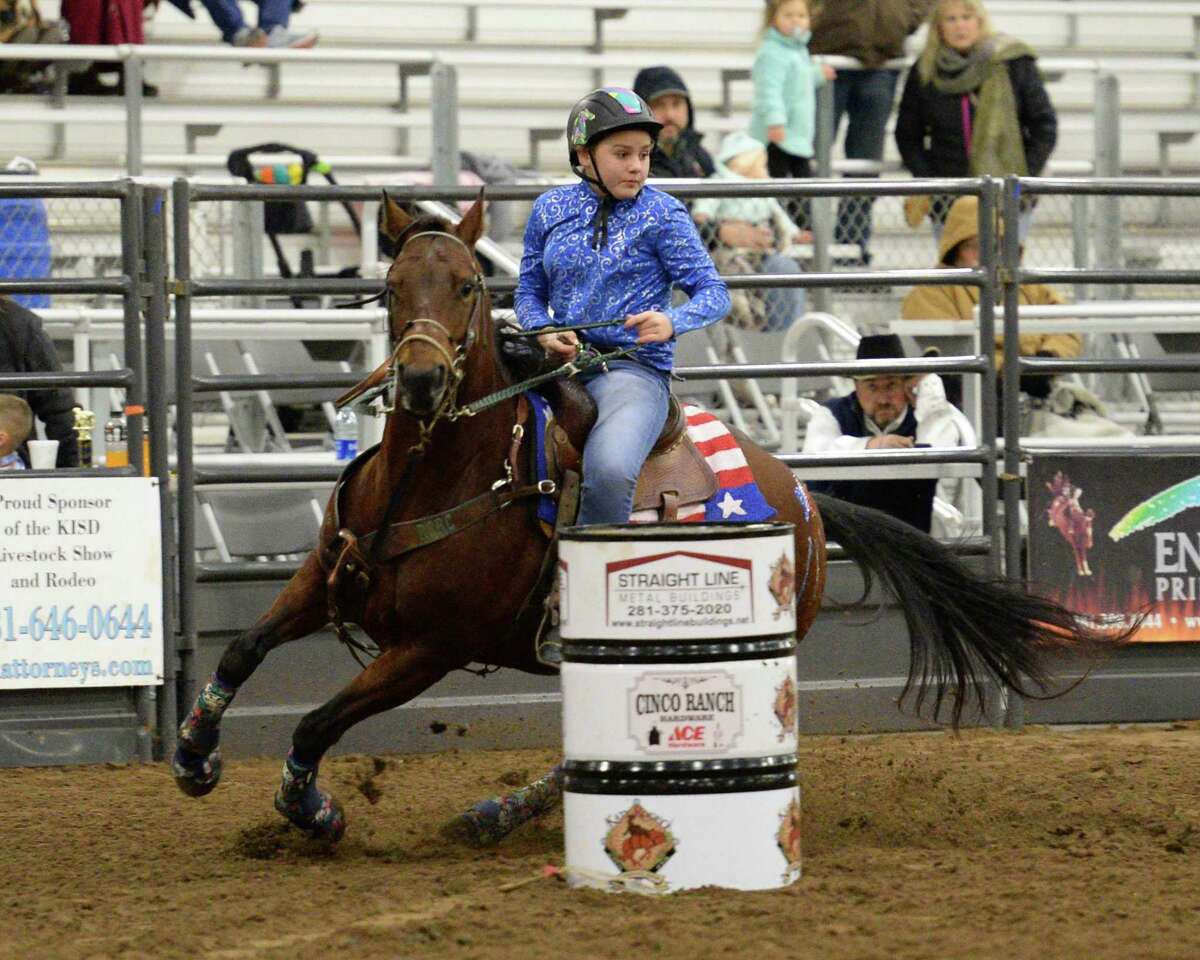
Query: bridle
point(447, 407)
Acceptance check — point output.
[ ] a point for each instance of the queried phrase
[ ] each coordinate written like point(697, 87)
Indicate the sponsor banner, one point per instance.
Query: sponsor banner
point(80, 563)
point(695, 711)
point(1110, 538)
point(687, 589)
point(744, 841)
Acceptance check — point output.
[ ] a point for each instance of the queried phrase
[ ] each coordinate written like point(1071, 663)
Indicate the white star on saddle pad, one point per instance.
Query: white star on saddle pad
point(730, 506)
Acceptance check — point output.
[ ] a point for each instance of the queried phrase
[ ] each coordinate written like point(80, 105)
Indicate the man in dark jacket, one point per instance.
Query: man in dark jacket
point(25, 348)
point(872, 31)
point(678, 152)
point(878, 415)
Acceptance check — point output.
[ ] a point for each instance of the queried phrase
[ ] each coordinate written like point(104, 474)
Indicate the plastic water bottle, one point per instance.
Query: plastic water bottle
point(345, 435)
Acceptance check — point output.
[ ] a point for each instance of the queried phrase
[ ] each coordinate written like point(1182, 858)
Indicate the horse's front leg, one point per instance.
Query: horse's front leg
point(395, 678)
point(298, 611)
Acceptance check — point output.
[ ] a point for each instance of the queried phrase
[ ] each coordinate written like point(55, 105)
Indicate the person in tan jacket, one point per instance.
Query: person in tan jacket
point(959, 247)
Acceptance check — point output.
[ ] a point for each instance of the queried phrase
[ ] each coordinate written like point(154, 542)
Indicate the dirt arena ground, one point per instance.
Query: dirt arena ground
point(1039, 844)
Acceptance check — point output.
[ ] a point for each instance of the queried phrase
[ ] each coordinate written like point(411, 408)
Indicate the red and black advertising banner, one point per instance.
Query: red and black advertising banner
point(1112, 535)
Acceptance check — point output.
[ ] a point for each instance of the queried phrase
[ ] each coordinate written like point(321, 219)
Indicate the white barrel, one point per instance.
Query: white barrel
point(649, 582)
point(744, 840)
point(718, 710)
point(679, 705)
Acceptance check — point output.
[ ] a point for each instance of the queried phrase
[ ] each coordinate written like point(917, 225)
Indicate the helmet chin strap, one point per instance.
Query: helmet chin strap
point(600, 224)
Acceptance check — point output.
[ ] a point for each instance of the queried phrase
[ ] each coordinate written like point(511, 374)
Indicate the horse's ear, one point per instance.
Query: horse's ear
point(470, 228)
point(395, 220)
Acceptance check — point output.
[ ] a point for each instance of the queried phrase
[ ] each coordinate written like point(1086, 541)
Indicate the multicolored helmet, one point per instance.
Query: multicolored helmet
point(606, 111)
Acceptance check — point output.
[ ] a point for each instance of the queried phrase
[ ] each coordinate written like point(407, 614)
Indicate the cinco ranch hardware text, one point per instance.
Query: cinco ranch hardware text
point(716, 701)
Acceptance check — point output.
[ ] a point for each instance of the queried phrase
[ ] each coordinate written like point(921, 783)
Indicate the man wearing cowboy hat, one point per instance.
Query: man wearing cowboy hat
point(887, 412)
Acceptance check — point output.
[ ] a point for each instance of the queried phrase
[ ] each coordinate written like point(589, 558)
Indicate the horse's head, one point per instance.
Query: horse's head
point(437, 304)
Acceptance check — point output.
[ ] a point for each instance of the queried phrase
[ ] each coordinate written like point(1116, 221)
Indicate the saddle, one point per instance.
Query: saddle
point(675, 474)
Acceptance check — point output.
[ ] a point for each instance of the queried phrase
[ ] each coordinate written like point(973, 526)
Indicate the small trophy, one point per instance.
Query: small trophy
point(85, 420)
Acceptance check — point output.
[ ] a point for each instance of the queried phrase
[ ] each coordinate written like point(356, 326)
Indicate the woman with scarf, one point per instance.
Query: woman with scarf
point(973, 105)
point(610, 249)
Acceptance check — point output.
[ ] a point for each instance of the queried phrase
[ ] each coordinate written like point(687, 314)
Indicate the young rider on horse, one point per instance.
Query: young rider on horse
point(609, 249)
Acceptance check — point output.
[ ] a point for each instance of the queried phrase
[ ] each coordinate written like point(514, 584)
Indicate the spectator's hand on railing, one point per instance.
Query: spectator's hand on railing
point(828, 71)
point(889, 441)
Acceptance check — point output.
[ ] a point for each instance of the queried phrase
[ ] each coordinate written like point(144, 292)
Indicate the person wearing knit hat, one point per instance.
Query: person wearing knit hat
point(678, 151)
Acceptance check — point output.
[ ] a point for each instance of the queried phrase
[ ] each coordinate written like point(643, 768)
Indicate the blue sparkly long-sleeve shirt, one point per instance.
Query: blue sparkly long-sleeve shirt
point(652, 244)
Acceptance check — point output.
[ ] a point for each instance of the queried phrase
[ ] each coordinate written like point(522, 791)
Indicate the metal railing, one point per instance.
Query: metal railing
point(141, 213)
point(443, 83)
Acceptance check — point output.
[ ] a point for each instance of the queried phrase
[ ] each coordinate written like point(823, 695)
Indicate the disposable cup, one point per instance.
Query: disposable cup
point(43, 454)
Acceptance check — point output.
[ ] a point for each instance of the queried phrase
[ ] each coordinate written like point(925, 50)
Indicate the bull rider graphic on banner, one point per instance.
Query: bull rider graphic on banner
point(1108, 537)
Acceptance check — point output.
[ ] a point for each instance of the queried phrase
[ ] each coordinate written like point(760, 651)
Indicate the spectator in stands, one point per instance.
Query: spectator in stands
point(873, 32)
point(16, 424)
point(611, 248)
point(752, 233)
point(785, 100)
point(973, 104)
point(272, 30)
point(1059, 406)
point(959, 247)
point(95, 22)
point(887, 412)
point(678, 152)
point(25, 348)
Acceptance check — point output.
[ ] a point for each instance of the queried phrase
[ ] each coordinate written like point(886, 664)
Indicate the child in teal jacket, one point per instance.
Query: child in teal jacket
point(785, 98)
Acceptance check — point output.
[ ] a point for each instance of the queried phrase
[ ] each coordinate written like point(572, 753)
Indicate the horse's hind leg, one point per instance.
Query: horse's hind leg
point(396, 677)
point(298, 611)
point(490, 821)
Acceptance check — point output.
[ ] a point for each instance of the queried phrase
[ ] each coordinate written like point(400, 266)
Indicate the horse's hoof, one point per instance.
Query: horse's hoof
point(481, 826)
point(196, 775)
point(314, 812)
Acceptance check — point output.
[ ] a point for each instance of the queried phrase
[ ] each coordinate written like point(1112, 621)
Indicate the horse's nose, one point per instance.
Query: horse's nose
point(422, 388)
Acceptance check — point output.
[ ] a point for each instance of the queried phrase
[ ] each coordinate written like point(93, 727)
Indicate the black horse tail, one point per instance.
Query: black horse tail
point(965, 629)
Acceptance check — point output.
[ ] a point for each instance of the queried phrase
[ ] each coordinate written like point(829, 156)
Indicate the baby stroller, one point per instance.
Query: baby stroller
point(289, 217)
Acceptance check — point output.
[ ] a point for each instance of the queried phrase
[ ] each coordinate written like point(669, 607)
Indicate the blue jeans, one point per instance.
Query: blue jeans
point(784, 304)
point(866, 97)
point(229, 20)
point(631, 401)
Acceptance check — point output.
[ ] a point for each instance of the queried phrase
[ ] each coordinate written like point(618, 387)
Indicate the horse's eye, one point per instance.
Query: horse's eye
point(466, 289)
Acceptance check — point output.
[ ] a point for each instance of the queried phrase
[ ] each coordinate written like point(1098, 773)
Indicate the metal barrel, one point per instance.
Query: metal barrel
point(679, 705)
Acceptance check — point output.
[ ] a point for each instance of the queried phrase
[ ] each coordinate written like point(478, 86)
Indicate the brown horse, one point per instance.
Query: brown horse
point(454, 575)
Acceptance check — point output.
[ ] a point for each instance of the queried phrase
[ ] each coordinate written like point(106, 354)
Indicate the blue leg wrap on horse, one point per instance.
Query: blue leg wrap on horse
point(196, 765)
point(490, 821)
point(200, 729)
point(303, 804)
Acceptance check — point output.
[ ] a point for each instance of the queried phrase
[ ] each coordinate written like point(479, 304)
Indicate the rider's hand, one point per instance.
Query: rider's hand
point(560, 344)
point(889, 441)
point(776, 133)
point(652, 326)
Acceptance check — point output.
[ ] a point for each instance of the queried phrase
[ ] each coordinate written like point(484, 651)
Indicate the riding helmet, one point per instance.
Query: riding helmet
point(606, 111)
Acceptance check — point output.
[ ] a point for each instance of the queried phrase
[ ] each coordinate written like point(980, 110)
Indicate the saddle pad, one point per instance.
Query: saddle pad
point(738, 499)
